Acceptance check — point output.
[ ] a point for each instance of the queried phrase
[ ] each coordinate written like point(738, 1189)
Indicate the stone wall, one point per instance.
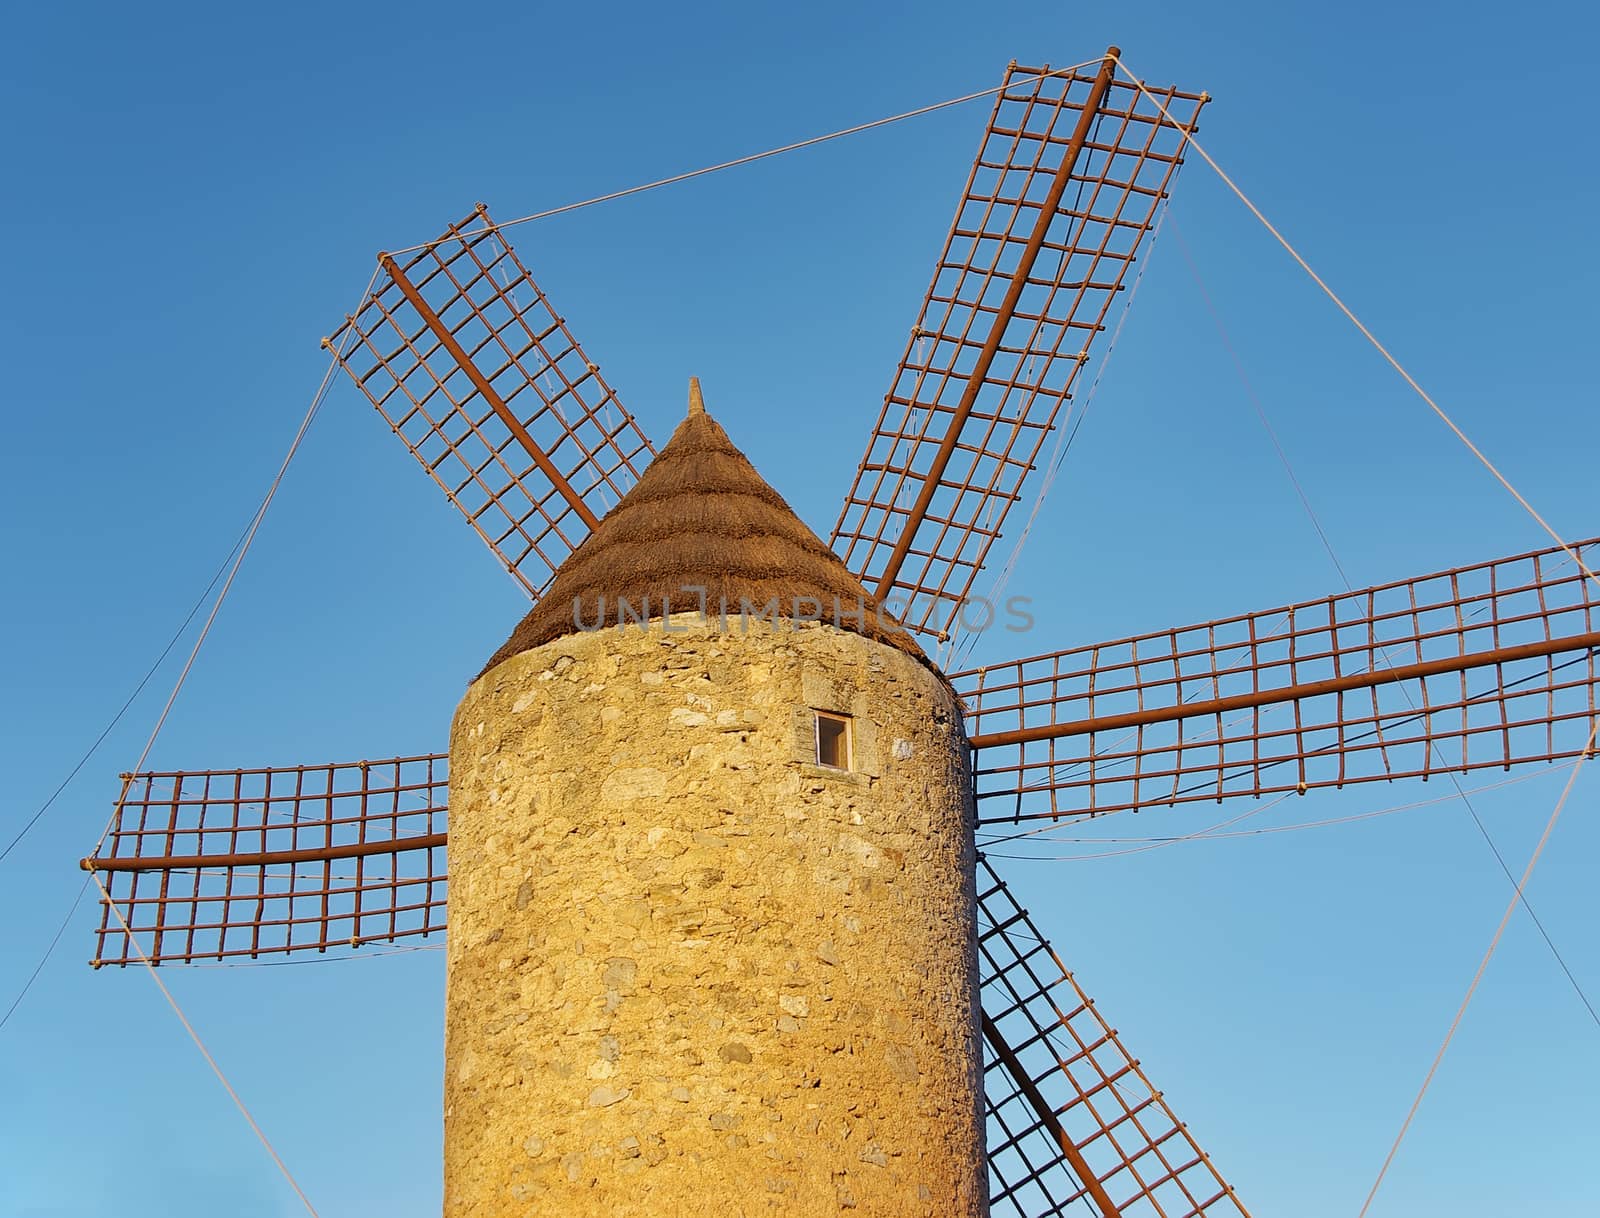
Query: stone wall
point(691, 970)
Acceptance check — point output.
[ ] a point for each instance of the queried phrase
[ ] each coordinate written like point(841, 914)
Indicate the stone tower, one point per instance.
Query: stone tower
point(712, 921)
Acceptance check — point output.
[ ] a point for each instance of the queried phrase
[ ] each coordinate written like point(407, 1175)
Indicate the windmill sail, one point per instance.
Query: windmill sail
point(1068, 179)
point(228, 864)
point(1075, 1126)
point(1490, 665)
point(472, 368)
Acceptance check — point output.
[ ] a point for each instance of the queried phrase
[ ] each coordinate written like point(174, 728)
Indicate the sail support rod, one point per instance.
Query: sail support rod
point(481, 383)
point(1289, 693)
point(265, 858)
point(1019, 280)
point(1047, 1118)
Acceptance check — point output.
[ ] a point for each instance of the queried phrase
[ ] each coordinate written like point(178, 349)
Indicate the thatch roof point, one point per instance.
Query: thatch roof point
point(701, 529)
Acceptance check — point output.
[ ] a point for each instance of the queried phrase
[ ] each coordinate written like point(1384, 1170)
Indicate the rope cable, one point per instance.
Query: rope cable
point(1365, 333)
point(1383, 651)
point(123, 709)
point(211, 1061)
point(240, 548)
point(1215, 832)
point(205, 630)
point(1483, 964)
point(737, 161)
point(48, 951)
point(244, 549)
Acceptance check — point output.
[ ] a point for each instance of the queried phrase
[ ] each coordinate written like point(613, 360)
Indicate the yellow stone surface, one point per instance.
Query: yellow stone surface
point(691, 971)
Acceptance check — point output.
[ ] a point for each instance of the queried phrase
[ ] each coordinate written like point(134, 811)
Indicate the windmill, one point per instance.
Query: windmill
point(466, 359)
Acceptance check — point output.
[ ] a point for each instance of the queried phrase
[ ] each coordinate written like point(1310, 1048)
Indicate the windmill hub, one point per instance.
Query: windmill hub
point(712, 905)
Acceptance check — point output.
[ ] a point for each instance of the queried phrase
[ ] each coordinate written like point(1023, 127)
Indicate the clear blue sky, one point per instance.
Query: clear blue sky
point(194, 196)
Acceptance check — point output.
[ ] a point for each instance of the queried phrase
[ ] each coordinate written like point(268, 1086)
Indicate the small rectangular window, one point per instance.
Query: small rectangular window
point(833, 740)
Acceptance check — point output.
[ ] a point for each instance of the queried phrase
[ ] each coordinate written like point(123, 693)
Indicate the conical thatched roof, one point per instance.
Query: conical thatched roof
point(701, 517)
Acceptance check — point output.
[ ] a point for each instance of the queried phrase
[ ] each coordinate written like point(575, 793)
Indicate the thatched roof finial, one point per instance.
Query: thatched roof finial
point(701, 531)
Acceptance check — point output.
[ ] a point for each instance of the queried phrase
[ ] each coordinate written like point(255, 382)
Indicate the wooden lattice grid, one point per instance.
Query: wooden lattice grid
point(1488, 665)
point(227, 864)
point(1005, 402)
point(531, 513)
point(1061, 1075)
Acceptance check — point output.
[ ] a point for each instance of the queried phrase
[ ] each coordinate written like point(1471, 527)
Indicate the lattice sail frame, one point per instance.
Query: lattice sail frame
point(229, 864)
point(1074, 1124)
point(1018, 295)
point(1467, 668)
point(464, 357)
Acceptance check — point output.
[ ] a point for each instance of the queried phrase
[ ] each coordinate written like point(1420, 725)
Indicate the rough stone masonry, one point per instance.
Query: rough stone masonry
point(692, 971)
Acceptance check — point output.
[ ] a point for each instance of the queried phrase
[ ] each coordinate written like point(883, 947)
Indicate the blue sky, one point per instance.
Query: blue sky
point(194, 198)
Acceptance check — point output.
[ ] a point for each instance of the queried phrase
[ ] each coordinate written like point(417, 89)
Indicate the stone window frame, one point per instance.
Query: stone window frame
point(818, 717)
point(837, 695)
